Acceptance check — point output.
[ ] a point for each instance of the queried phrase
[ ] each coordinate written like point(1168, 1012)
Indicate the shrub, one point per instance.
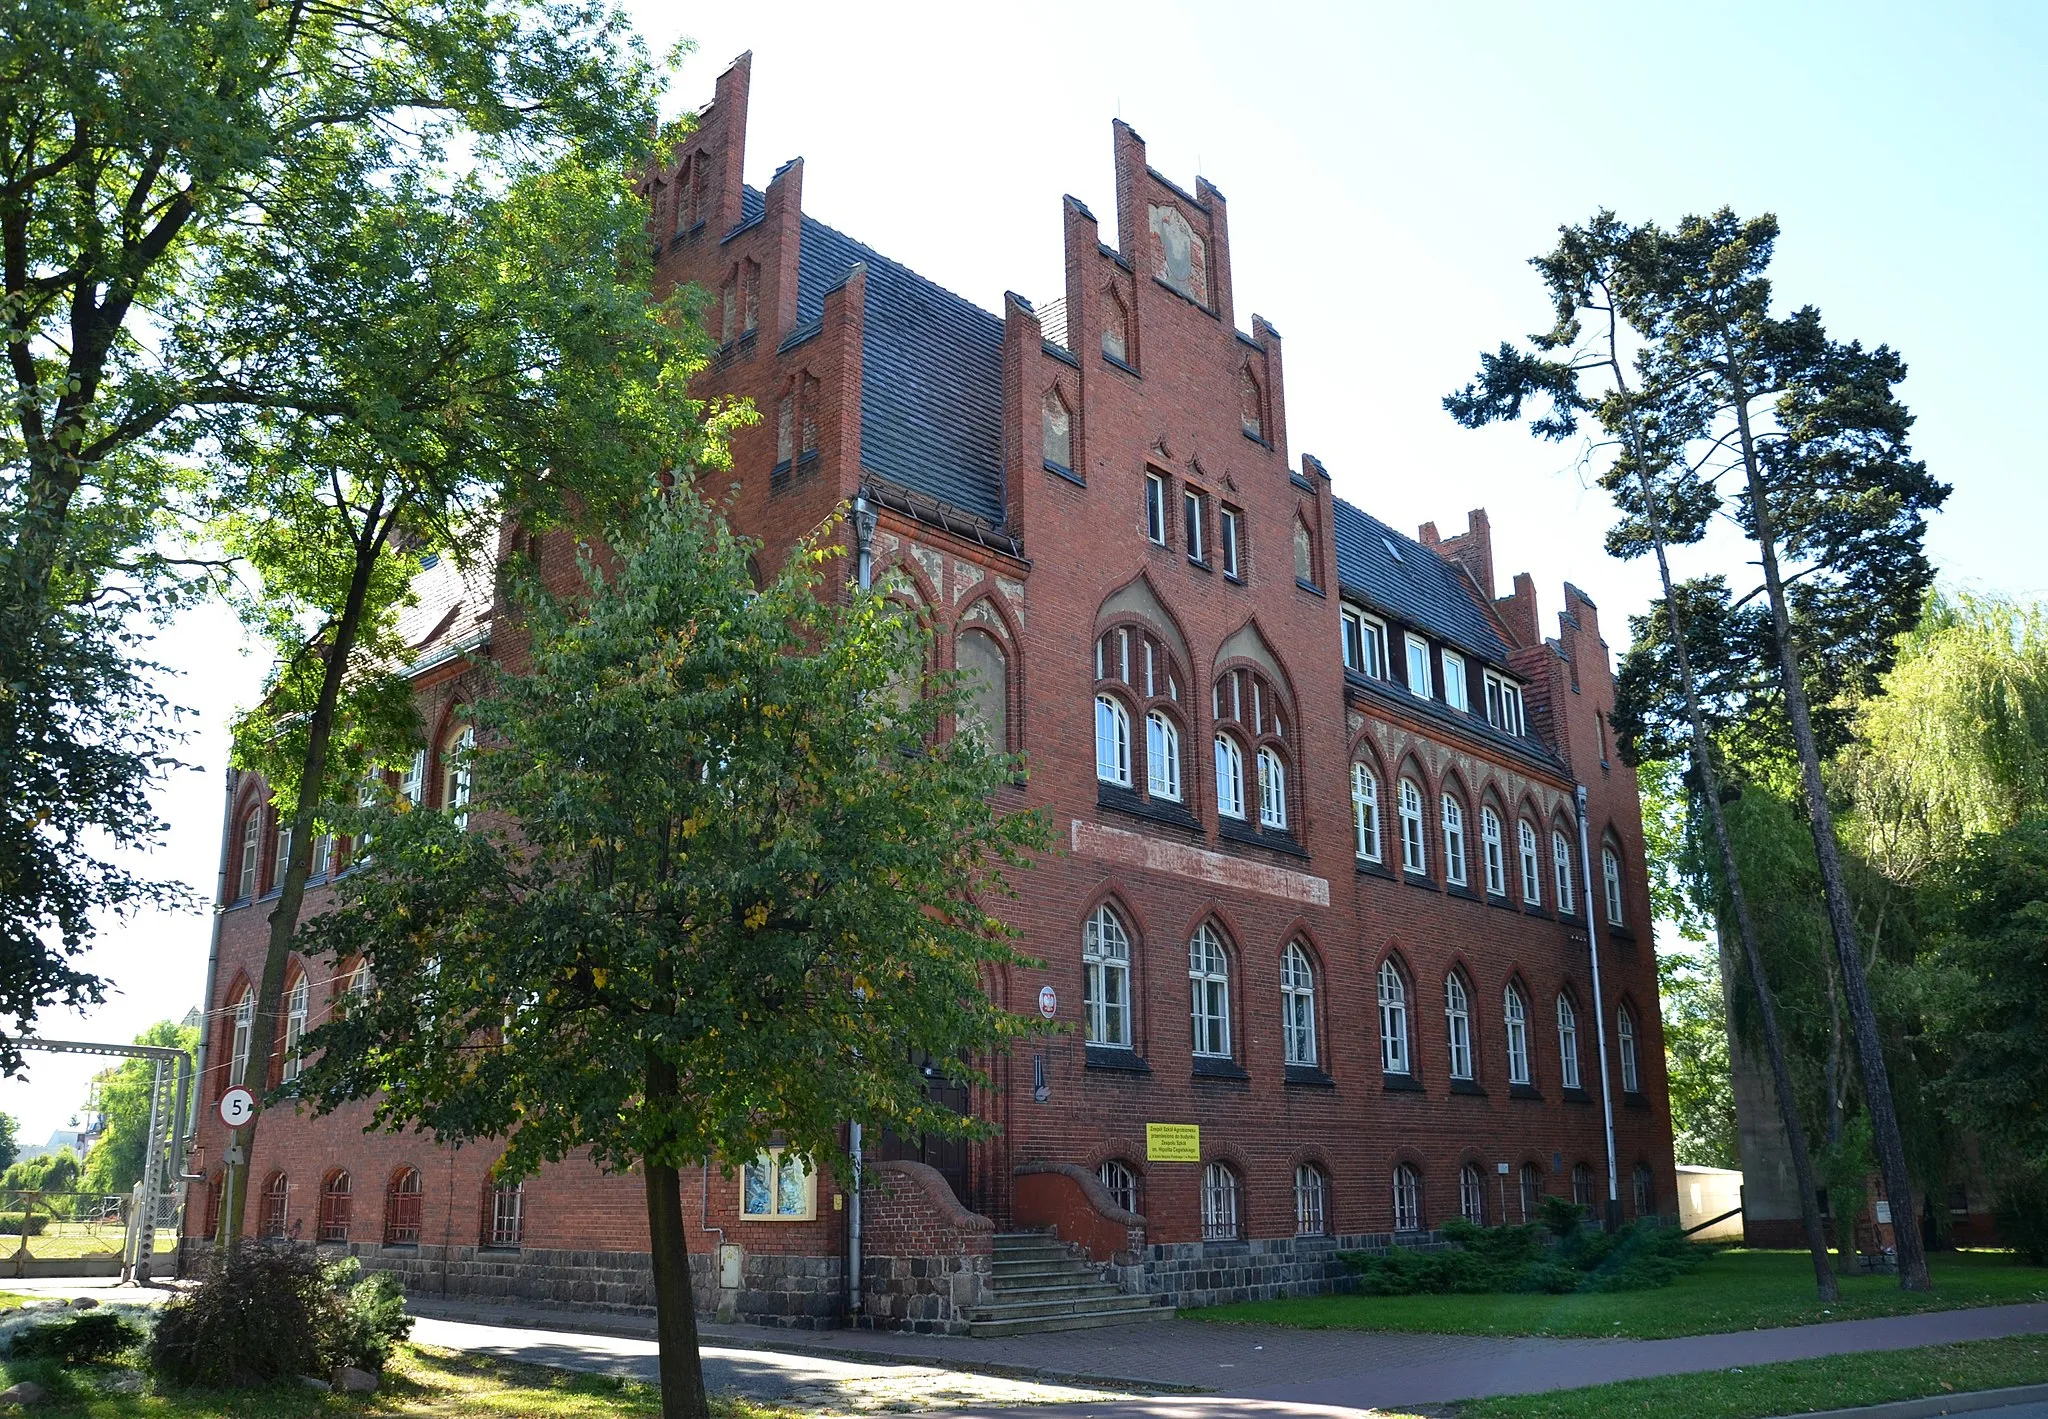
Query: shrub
point(77, 1340)
point(371, 1319)
point(11, 1223)
point(258, 1316)
point(1497, 1259)
point(2021, 1211)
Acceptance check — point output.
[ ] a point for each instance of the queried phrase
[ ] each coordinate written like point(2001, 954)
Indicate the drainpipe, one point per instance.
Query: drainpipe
point(1599, 1013)
point(864, 520)
point(220, 892)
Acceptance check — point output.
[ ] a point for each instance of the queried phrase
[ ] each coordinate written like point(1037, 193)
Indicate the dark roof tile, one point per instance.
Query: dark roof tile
point(1412, 583)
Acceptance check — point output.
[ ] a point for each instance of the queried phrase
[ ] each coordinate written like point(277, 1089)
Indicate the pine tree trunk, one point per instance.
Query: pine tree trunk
point(675, 1308)
point(1877, 1088)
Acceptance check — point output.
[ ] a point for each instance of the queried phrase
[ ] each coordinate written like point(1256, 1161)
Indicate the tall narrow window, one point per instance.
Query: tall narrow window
point(1116, 328)
point(252, 835)
point(1472, 1195)
point(1230, 539)
point(284, 856)
point(1418, 667)
point(1162, 756)
point(1567, 1043)
point(987, 709)
point(1106, 980)
point(1625, 1038)
point(1413, 858)
point(785, 429)
point(1058, 431)
point(1191, 526)
point(336, 1207)
point(1516, 1016)
point(504, 1214)
point(1504, 704)
point(1454, 841)
point(297, 1004)
point(1532, 870)
point(277, 1193)
point(1155, 508)
point(402, 1209)
point(455, 780)
point(1561, 860)
point(1229, 777)
point(1120, 1183)
point(808, 404)
point(1311, 1194)
point(1455, 694)
point(1610, 877)
point(1304, 554)
point(412, 786)
point(1646, 1191)
point(729, 304)
point(323, 855)
point(1393, 1020)
point(1298, 1006)
point(1219, 1203)
point(1272, 789)
point(1209, 982)
point(1458, 1025)
point(1495, 853)
point(1252, 405)
point(1407, 1199)
point(1365, 644)
point(1365, 813)
point(1112, 741)
point(238, 1050)
point(750, 296)
point(1582, 1184)
point(1532, 1193)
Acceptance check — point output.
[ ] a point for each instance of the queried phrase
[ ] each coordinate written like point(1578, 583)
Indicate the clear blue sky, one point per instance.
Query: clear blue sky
point(1390, 170)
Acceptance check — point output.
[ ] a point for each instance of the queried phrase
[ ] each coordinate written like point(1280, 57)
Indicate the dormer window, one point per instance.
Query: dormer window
point(1418, 667)
point(1365, 644)
point(1504, 705)
point(1455, 694)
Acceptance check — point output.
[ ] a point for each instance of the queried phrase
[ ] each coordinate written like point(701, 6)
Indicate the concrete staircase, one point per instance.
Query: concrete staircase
point(1035, 1284)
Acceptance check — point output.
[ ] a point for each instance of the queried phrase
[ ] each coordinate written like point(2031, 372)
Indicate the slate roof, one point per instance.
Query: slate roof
point(1420, 586)
point(931, 398)
point(450, 613)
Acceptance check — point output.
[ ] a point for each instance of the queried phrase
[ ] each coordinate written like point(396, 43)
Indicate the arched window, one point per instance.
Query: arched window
point(1532, 872)
point(1220, 1211)
point(785, 429)
point(1582, 1184)
point(238, 1051)
point(986, 670)
point(402, 1209)
point(1112, 741)
point(1472, 1195)
point(1304, 553)
point(1495, 852)
point(335, 1207)
point(1458, 1023)
point(1393, 1020)
point(1120, 1183)
point(1311, 1197)
point(1646, 1191)
point(1532, 1193)
point(1516, 1015)
point(1625, 1035)
point(1298, 1006)
point(1106, 979)
point(1365, 813)
point(297, 1003)
point(455, 773)
point(412, 784)
point(1561, 859)
point(504, 1213)
point(281, 861)
point(1209, 982)
point(1251, 411)
point(1229, 777)
point(1116, 327)
point(1407, 1199)
point(1610, 876)
point(1414, 859)
point(1058, 431)
point(1454, 841)
point(252, 834)
point(1162, 756)
point(1272, 789)
point(277, 1192)
point(1567, 1042)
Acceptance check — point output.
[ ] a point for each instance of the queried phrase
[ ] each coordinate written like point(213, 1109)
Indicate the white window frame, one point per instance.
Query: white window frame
point(1119, 1182)
point(1610, 878)
point(779, 1163)
point(1393, 1020)
point(1230, 537)
point(1162, 756)
point(1221, 1209)
point(1365, 813)
point(1272, 789)
point(1515, 1015)
point(1229, 777)
point(1504, 709)
point(412, 787)
point(1420, 682)
point(252, 838)
point(284, 854)
point(1191, 520)
point(1106, 979)
point(1112, 741)
point(1155, 509)
point(298, 1005)
point(455, 776)
point(1494, 851)
point(508, 1216)
point(239, 1045)
point(1561, 864)
point(1298, 1006)
point(1414, 849)
point(323, 855)
point(1365, 643)
point(1209, 993)
point(1567, 1042)
point(1532, 863)
point(1625, 1038)
point(1407, 1198)
point(1454, 841)
point(1472, 1195)
point(1458, 1025)
point(1457, 692)
point(1311, 1201)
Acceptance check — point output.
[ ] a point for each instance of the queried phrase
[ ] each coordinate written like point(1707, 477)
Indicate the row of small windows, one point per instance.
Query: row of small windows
point(1223, 1189)
point(1365, 643)
point(501, 1219)
point(1107, 1002)
point(1227, 550)
point(298, 1002)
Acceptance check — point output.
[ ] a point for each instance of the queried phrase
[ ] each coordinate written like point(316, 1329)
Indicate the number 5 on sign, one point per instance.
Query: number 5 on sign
point(237, 1107)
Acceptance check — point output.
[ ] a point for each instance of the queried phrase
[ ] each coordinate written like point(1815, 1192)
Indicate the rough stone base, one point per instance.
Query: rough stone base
point(1223, 1273)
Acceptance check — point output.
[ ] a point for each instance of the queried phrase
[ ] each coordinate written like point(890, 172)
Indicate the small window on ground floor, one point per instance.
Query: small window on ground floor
point(777, 1187)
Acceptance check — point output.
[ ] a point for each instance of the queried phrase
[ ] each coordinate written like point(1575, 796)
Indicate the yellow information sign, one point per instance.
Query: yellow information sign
point(1173, 1143)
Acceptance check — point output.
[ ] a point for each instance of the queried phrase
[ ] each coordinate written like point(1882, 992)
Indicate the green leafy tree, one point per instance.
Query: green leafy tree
point(1696, 1060)
point(10, 1141)
point(138, 144)
point(749, 884)
point(114, 1163)
point(48, 1172)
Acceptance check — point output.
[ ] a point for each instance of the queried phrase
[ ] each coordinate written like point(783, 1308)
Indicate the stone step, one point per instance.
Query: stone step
point(1002, 1307)
point(1037, 1251)
point(1071, 1291)
point(1080, 1320)
point(1021, 1275)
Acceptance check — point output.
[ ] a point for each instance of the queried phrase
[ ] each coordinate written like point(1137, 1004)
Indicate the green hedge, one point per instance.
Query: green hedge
point(11, 1223)
point(1510, 1259)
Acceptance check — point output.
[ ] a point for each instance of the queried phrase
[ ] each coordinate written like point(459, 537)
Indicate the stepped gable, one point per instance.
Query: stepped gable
point(1420, 586)
point(931, 398)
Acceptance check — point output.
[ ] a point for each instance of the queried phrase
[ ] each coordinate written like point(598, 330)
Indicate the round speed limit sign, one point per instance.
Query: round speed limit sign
point(237, 1107)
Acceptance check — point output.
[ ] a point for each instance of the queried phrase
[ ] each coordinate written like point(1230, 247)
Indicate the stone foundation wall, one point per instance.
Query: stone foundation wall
point(925, 1258)
point(1222, 1273)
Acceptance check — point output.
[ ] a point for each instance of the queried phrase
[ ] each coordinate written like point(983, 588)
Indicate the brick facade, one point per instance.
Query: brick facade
point(1007, 459)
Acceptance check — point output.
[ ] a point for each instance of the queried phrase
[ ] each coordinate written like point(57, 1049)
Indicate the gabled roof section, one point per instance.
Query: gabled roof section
point(1412, 583)
point(931, 398)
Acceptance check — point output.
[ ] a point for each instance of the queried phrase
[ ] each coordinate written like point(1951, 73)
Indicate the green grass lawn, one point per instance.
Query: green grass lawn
point(1837, 1382)
point(420, 1383)
point(1732, 1290)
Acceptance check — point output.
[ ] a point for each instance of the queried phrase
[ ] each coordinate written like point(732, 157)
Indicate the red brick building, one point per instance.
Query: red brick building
point(1325, 893)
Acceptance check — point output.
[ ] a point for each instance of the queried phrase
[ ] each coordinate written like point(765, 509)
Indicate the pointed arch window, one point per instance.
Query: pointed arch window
point(1209, 983)
point(1458, 1025)
point(1532, 1193)
point(252, 835)
point(1414, 858)
point(986, 670)
point(1272, 789)
point(1393, 1019)
point(1625, 1038)
point(1112, 741)
point(1567, 1042)
point(455, 773)
point(1407, 1198)
point(1298, 1006)
point(1251, 405)
point(1057, 431)
point(1304, 553)
point(1610, 877)
point(1116, 327)
point(1365, 813)
point(1561, 861)
point(1119, 1182)
point(1515, 1014)
point(1311, 1201)
point(1472, 1195)
point(1532, 868)
point(336, 1207)
point(1162, 756)
point(1106, 979)
point(297, 1004)
point(277, 1194)
point(238, 1050)
point(1495, 853)
point(1454, 841)
point(284, 854)
point(402, 1209)
point(1229, 777)
point(1220, 1203)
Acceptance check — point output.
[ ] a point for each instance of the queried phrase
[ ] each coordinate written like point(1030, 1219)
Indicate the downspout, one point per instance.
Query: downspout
point(1599, 1013)
point(864, 520)
point(220, 892)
